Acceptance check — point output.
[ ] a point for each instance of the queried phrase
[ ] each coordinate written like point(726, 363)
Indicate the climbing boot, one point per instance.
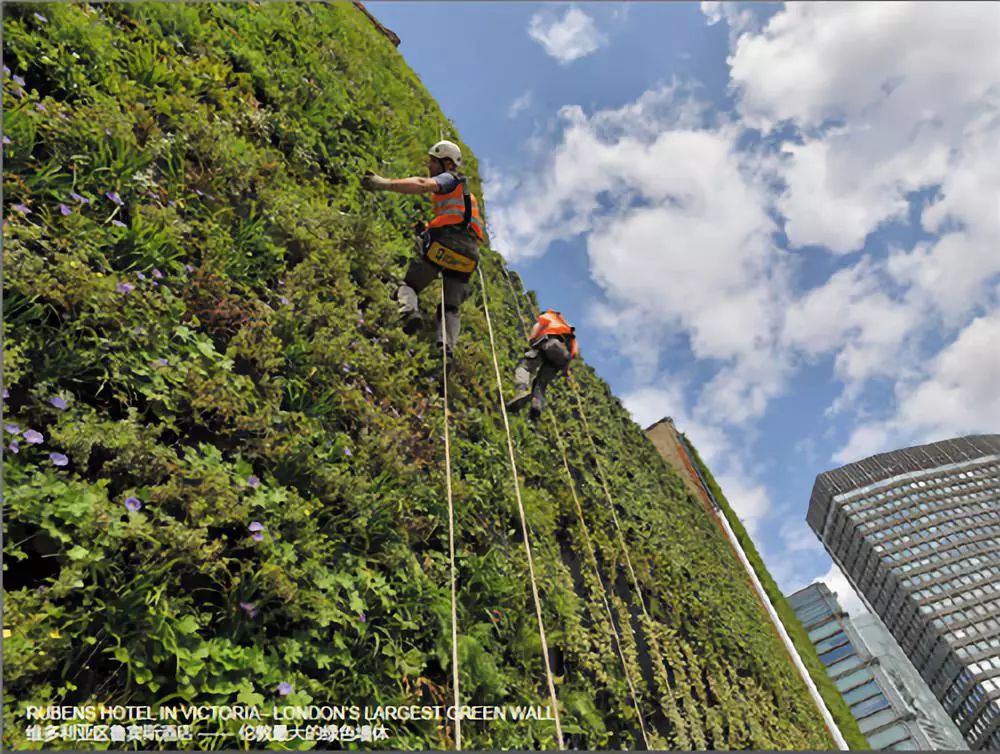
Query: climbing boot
point(536, 409)
point(412, 322)
point(521, 396)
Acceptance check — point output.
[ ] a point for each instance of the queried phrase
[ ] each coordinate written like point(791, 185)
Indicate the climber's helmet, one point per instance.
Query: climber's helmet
point(446, 150)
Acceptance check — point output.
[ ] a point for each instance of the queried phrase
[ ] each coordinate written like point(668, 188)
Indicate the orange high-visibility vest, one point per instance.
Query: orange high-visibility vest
point(551, 322)
point(449, 209)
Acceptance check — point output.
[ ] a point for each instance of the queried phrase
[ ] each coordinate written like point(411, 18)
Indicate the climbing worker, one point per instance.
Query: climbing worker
point(449, 244)
point(552, 345)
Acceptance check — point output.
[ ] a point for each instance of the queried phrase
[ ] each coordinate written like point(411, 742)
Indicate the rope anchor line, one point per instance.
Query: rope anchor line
point(451, 525)
point(524, 521)
point(589, 544)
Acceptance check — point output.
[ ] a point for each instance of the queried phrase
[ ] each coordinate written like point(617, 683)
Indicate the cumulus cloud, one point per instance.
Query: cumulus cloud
point(520, 104)
point(573, 36)
point(676, 223)
point(681, 223)
point(880, 113)
point(958, 396)
point(717, 448)
point(838, 583)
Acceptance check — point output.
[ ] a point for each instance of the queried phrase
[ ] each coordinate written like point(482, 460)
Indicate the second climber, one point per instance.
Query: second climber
point(552, 345)
point(448, 244)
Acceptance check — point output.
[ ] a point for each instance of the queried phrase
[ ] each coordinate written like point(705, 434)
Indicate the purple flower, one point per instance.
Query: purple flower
point(13, 447)
point(125, 288)
point(34, 437)
point(347, 452)
point(41, 18)
point(249, 608)
point(155, 284)
point(22, 209)
point(119, 223)
point(162, 362)
point(258, 530)
point(6, 393)
point(6, 140)
point(40, 106)
point(58, 459)
point(157, 274)
point(133, 503)
point(65, 210)
point(345, 367)
point(58, 402)
point(171, 203)
point(77, 197)
point(17, 80)
point(284, 301)
point(6, 71)
point(140, 276)
point(284, 688)
point(253, 482)
point(189, 268)
point(113, 196)
point(368, 390)
point(362, 617)
point(12, 429)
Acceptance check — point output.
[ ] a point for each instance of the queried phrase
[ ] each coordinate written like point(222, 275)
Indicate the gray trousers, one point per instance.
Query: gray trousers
point(419, 275)
point(539, 366)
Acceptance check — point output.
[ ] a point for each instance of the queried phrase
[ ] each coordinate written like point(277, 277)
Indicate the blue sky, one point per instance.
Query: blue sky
point(798, 220)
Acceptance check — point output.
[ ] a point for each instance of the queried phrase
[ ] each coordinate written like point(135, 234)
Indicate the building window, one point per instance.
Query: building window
point(869, 706)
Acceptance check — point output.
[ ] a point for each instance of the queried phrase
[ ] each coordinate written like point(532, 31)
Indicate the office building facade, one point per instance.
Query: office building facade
point(917, 533)
point(882, 715)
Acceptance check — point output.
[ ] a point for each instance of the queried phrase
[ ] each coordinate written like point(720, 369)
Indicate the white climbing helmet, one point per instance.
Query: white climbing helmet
point(446, 149)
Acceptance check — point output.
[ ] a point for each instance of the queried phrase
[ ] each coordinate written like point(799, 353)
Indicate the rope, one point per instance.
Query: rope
point(451, 525)
point(586, 536)
point(524, 522)
point(607, 494)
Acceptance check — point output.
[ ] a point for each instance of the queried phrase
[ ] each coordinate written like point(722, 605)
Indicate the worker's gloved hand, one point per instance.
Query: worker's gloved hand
point(372, 182)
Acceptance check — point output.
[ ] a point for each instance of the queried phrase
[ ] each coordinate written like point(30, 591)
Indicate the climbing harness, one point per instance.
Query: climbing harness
point(524, 522)
point(590, 547)
point(451, 527)
point(447, 258)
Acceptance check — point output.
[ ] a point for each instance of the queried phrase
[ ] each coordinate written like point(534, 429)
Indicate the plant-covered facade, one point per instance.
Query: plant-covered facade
point(224, 468)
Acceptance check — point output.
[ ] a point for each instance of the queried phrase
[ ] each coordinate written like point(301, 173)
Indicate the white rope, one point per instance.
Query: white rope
point(524, 522)
point(451, 525)
point(600, 579)
point(590, 547)
point(611, 503)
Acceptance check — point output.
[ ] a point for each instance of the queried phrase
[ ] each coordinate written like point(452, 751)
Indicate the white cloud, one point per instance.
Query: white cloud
point(880, 113)
point(958, 396)
point(676, 223)
point(573, 36)
point(520, 104)
point(679, 222)
point(717, 449)
point(837, 583)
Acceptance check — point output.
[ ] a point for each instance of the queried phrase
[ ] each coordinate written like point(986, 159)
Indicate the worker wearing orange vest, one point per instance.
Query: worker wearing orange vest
point(448, 244)
point(552, 344)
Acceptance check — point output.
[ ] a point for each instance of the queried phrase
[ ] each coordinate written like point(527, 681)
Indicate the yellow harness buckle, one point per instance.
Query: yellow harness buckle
point(449, 258)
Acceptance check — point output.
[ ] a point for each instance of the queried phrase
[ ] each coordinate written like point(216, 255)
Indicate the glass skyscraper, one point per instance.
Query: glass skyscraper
point(917, 532)
point(882, 716)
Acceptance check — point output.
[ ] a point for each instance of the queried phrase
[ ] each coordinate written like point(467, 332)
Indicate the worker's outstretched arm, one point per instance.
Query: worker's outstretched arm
point(413, 185)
